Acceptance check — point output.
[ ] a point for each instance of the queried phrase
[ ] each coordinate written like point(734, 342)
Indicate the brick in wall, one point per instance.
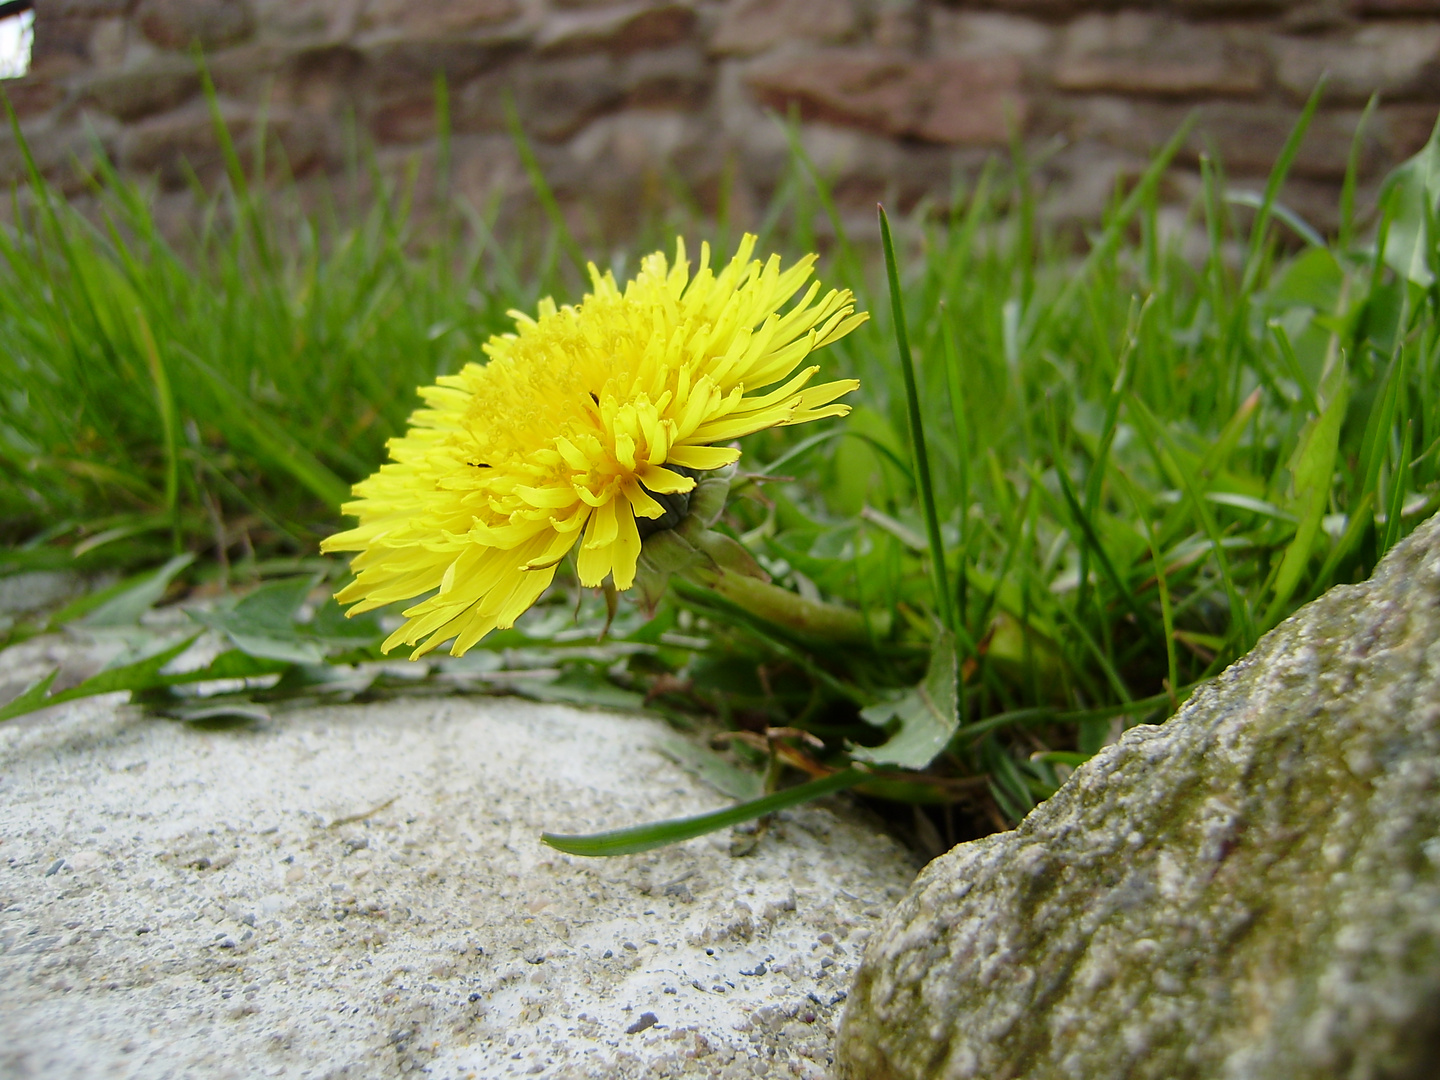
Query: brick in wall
point(896, 98)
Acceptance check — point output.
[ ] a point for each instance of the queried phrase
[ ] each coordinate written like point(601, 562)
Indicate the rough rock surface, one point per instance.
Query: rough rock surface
point(1251, 890)
point(361, 891)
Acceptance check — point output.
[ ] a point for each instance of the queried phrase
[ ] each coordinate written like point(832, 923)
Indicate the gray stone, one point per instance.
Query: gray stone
point(135, 93)
point(38, 590)
point(1250, 890)
point(936, 100)
point(619, 29)
point(361, 891)
point(752, 26)
point(1396, 60)
point(173, 144)
point(182, 24)
point(436, 18)
point(1137, 53)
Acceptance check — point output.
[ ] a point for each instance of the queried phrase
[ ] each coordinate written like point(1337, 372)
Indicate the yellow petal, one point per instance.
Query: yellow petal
point(626, 552)
point(640, 502)
point(663, 481)
point(702, 457)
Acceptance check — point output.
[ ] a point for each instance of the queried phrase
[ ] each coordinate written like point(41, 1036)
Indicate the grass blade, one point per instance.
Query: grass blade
point(962, 455)
point(849, 264)
point(639, 838)
point(1313, 468)
point(1273, 184)
point(1352, 171)
point(169, 423)
point(126, 607)
point(1164, 446)
point(285, 451)
point(1162, 583)
point(1115, 229)
point(917, 429)
point(548, 203)
point(1396, 506)
point(141, 675)
point(1361, 518)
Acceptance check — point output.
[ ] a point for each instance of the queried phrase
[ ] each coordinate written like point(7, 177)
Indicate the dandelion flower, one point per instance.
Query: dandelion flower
point(584, 425)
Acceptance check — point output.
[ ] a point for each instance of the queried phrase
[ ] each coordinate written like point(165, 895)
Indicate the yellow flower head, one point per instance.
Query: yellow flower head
point(565, 435)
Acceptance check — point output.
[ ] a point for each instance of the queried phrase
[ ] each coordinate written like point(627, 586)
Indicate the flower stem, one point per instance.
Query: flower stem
point(785, 608)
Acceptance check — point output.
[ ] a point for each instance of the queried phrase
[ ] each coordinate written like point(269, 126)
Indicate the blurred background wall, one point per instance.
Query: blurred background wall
point(629, 102)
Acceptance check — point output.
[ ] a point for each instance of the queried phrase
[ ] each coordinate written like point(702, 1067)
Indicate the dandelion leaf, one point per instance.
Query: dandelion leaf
point(927, 714)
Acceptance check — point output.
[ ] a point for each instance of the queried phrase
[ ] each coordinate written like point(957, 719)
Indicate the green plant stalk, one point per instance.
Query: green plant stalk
point(782, 607)
point(917, 429)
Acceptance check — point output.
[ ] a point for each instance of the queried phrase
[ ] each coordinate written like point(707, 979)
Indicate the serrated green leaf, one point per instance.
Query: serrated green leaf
point(927, 714)
point(141, 675)
point(218, 712)
point(126, 607)
point(710, 768)
point(230, 664)
point(336, 632)
point(31, 699)
point(582, 688)
point(263, 623)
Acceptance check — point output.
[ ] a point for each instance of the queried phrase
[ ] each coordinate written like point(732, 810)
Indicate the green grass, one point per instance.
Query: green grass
point(1082, 474)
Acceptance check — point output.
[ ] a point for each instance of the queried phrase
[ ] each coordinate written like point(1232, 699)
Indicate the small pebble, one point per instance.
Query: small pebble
point(647, 1020)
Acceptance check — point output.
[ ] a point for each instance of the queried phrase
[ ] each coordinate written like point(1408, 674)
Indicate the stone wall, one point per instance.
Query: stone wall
point(622, 98)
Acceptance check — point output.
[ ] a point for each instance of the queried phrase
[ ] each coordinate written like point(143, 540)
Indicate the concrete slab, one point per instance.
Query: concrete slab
point(361, 891)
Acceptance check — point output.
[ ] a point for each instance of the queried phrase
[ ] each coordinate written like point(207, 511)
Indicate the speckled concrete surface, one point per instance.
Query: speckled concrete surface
point(361, 891)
